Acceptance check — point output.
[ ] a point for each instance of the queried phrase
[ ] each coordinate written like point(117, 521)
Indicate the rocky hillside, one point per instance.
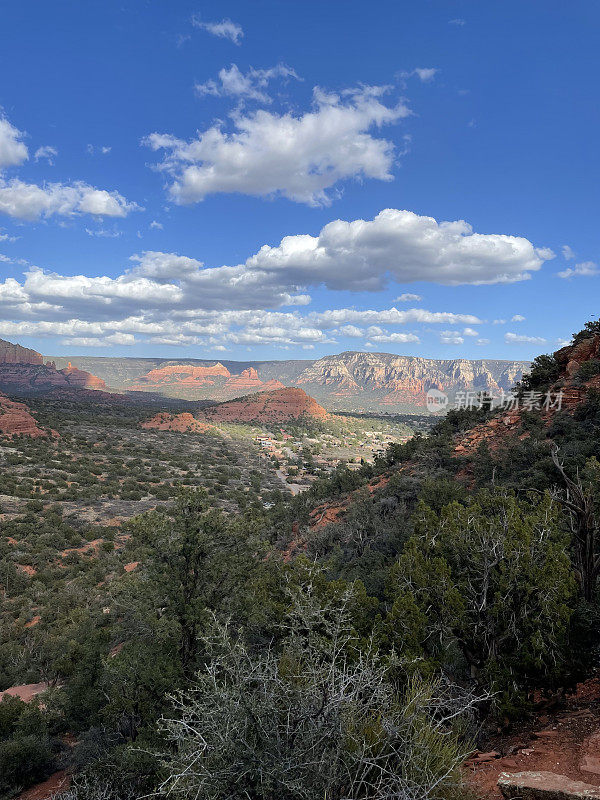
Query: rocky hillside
point(349, 381)
point(26, 379)
point(17, 420)
point(576, 373)
point(279, 406)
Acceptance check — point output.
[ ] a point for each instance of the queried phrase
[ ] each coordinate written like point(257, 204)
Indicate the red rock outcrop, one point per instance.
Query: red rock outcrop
point(183, 374)
point(15, 419)
point(81, 379)
point(215, 379)
point(15, 354)
point(182, 423)
point(18, 378)
point(571, 390)
point(248, 380)
point(25, 692)
point(281, 405)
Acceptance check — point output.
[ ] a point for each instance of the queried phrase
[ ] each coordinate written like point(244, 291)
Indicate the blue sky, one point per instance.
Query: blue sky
point(273, 179)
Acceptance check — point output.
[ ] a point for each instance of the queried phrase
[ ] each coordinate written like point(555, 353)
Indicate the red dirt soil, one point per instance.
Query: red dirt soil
point(53, 786)
point(565, 741)
point(25, 692)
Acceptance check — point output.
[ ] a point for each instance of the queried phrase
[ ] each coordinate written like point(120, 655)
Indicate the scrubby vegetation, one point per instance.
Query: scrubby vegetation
point(351, 642)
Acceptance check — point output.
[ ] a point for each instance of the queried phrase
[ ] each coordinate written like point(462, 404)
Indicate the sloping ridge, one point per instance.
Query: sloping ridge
point(569, 388)
point(280, 405)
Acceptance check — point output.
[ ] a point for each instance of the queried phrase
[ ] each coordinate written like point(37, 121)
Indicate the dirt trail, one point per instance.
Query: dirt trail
point(565, 741)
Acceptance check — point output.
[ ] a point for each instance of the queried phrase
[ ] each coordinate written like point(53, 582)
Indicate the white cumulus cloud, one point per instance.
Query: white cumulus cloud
point(586, 269)
point(407, 297)
point(13, 150)
point(47, 152)
point(405, 246)
point(300, 157)
point(451, 337)
point(30, 201)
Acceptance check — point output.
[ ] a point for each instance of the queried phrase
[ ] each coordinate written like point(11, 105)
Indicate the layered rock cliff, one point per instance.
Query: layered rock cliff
point(15, 354)
point(24, 379)
point(386, 379)
point(213, 382)
point(23, 371)
point(346, 381)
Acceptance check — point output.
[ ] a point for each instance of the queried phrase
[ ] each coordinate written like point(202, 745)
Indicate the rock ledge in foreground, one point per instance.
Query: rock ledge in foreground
point(545, 786)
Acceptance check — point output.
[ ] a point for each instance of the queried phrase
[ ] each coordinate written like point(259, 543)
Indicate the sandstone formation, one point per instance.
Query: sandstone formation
point(346, 381)
point(279, 406)
point(81, 379)
point(15, 354)
point(184, 375)
point(214, 381)
point(16, 419)
point(386, 379)
point(248, 380)
point(182, 423)
point(23, 379)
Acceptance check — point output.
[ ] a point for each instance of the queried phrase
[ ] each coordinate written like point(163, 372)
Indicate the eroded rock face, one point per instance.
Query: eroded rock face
point(15, 419)
point(33, 378)
point(182, 423)
point(545, 786)
point(282, 405)
point(248, 380)
point(81, 379)
point(220, 383)
point(406, 379)
point(184, 374)
point(15, 354)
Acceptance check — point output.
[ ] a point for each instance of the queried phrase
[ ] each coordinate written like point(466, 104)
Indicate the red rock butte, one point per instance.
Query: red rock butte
point(81, 379)
point(280, 405)
point(15, 354)
point(191, 376)
point(188, 374)
point(24, 371)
